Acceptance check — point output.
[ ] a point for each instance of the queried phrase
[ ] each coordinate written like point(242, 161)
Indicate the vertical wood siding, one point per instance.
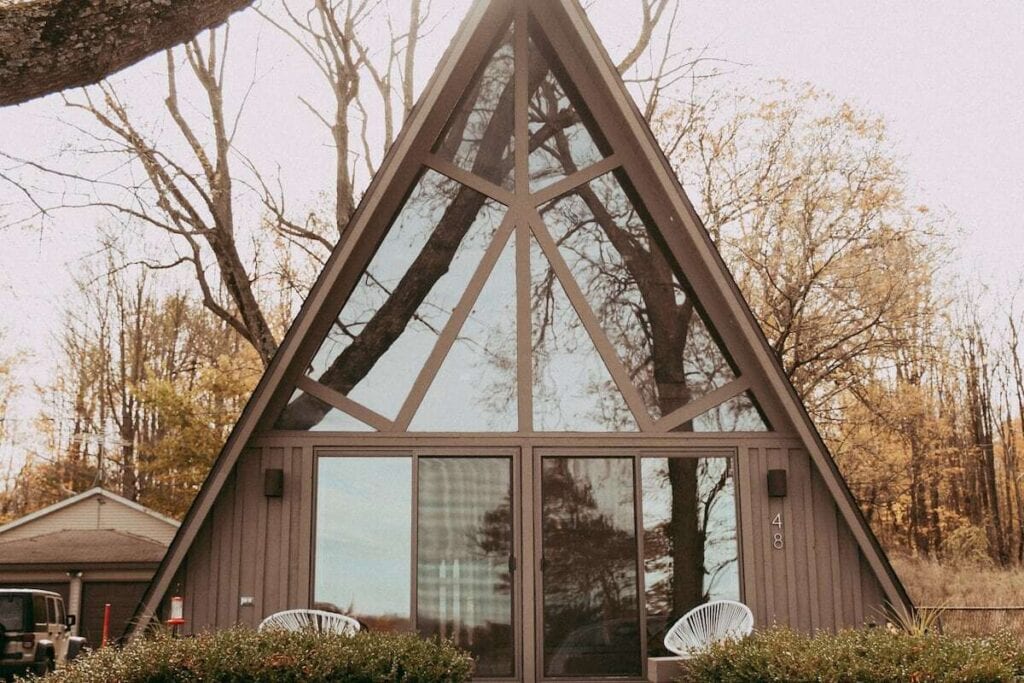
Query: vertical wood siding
point(251, 546)
point(256, 547)
point(819, 579)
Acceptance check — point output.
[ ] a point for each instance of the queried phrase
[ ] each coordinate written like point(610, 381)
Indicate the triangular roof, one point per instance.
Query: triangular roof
point(95, 492)
point(71, 547)
point(615, 147)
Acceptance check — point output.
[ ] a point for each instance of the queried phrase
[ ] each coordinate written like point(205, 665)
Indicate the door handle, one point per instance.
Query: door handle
point(543, 562)
point(511, 563)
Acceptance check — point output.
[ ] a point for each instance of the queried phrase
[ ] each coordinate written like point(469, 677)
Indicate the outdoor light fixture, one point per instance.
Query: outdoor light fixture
point(273, 483)
point(776, 483)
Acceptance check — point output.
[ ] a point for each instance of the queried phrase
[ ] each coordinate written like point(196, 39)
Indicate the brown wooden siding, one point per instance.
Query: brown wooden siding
point(256, 547)
point(819, 579)
point(251, 546)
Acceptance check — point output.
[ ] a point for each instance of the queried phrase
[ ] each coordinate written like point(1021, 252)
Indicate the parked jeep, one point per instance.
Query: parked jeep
point(35, 632)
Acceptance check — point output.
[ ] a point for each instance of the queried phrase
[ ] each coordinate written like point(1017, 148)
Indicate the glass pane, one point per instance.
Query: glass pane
point(560, 141)
point(475, 388)
point(39, 612)
point(389, 325)
point(364, 540)
point(591, 620)
point(644, 308)
point(690, 547)
point(480, 137)
point(304, 409)
point(738, 414)
point(465, 540)
point(13, 610)
point(572, 389)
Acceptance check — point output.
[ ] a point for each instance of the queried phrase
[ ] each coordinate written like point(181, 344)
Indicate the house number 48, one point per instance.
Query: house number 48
point(778, 541)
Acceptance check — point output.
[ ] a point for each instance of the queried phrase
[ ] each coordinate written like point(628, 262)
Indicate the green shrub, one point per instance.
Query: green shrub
point(865, 655)
point(242, 654)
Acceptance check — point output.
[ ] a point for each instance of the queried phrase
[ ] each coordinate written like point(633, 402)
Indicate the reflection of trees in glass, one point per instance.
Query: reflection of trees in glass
point(463, 547)
point(602, 232)
point(493, 537)
point(644, 309)
point(486, 109)
point(403, 300)
point(475, 388)
point(572, 388)
point(738, 414)
point(641, 302)
point(690, 543)
point(589, 565)
point(384, 324)
point(571, 144)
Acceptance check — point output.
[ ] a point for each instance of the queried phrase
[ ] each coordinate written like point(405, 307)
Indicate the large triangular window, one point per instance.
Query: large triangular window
point(521, 287)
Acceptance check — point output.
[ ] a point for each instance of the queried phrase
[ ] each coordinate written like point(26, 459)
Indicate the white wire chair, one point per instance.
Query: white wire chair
point(311, 619)
point(707, 624)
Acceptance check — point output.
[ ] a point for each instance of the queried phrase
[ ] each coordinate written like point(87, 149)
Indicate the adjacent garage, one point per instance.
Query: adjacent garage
point(94, 549)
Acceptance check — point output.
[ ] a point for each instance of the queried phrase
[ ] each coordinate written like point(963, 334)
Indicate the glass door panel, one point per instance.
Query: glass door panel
point(691, 550)
point(464, 557)
point(364, 540)
point(590, 610)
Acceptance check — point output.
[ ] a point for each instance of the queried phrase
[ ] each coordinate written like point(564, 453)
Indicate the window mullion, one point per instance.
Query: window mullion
point(699, 406)
point(414, 608)
point(454, 325)
point(590, 322)
point(524, 318)
point(576, 180)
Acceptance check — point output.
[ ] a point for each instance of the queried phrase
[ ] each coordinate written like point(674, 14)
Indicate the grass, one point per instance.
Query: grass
point(934, 583)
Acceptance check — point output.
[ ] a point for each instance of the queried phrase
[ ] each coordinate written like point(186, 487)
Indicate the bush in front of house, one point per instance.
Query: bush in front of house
point(241, 654)
point(863, 655)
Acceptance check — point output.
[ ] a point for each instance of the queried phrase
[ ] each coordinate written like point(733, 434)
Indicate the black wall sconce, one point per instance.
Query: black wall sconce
point(776, 483)
point(273, 483)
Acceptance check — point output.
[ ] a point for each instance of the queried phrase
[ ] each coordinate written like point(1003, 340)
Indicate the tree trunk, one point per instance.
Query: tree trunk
point(51, 45)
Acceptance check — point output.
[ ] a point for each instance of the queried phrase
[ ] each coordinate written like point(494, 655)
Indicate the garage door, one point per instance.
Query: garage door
point(123, 597)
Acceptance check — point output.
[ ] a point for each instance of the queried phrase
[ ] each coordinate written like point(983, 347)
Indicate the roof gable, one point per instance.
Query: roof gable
point(476, 221)
point(95, 508)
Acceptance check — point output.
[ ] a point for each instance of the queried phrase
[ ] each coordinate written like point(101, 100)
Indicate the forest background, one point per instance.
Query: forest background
point(186, 205)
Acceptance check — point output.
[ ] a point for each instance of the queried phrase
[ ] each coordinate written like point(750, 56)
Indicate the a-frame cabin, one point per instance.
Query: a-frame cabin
point(526, 406)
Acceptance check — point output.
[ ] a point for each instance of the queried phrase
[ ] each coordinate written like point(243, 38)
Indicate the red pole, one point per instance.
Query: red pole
point(106, 624)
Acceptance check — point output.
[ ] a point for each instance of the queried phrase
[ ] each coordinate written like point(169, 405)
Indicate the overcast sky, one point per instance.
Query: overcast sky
point(947, 76)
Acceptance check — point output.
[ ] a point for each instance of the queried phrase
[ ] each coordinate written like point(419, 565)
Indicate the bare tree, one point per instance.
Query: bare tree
point(197, 208)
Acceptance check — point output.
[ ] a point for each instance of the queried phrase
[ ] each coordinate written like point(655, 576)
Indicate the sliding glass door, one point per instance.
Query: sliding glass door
point(589, 567)
point(619, 544)
point(464, 550)
point(627, 544)
point(421, 542)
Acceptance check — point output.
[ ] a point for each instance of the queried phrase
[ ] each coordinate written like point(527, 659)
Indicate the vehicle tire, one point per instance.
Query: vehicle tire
point(44, 667)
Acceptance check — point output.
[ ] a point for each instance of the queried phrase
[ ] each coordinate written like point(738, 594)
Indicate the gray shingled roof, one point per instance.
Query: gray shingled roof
point(81, 546)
